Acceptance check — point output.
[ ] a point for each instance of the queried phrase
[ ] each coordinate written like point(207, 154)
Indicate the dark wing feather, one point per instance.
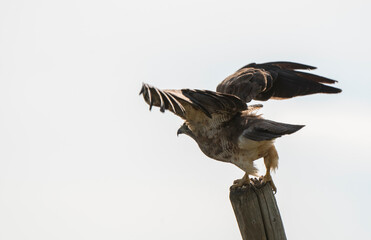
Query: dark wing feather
point(274, 80)
point(191, 104)
point(262, 129)
point(162, 99)
point(289, 84)
point(288, 65)
point(214, 102)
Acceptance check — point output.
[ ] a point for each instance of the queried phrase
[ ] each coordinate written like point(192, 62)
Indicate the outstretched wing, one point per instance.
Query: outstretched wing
point(193, 105)
point(260, 129)
point(274, 80)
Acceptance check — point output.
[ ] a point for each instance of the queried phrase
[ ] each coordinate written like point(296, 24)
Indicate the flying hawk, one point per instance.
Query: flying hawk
point(228, 130)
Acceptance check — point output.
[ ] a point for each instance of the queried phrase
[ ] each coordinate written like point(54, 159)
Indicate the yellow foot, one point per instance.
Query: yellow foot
point(240, 182)
point(268, 179)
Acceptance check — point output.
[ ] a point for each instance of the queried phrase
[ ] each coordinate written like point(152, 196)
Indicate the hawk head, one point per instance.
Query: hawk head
point(184, 129)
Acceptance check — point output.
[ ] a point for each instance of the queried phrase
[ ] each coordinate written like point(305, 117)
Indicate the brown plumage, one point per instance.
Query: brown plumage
point(274, 80)
point(228, 130)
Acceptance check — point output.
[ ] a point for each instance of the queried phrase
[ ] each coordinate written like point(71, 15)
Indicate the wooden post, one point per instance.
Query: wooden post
point(257, 212)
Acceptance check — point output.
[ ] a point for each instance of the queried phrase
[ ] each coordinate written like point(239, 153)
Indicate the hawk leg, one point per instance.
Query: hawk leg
point(245, 180)
point(270, 162)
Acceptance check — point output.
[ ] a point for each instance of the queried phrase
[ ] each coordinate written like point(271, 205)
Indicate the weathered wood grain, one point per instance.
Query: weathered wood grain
point(257, 212)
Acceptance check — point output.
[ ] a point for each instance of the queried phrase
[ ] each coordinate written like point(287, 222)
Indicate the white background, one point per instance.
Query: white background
point(81, 157)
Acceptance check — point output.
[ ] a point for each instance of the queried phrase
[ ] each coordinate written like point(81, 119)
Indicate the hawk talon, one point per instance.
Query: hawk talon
point(268, 179)
point(237, 181)
point(240, 182)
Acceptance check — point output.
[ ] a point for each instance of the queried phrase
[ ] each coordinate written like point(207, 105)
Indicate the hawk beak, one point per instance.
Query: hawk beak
point(179, 132)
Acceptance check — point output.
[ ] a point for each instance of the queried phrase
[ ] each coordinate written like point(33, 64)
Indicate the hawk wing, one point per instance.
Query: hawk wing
point(197, 106)
point(278, 80)
point(260, 129)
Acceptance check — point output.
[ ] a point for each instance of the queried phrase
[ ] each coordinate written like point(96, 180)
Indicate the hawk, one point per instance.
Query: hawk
point(225, 127)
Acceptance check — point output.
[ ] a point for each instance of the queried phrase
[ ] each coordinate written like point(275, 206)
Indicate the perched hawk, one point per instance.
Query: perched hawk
point(228, 130)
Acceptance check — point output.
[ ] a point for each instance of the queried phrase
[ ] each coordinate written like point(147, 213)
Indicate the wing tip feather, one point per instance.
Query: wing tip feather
point(164, 99)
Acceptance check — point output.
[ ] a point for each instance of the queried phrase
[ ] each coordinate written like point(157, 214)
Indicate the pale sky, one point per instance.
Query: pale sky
point(81, 157)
